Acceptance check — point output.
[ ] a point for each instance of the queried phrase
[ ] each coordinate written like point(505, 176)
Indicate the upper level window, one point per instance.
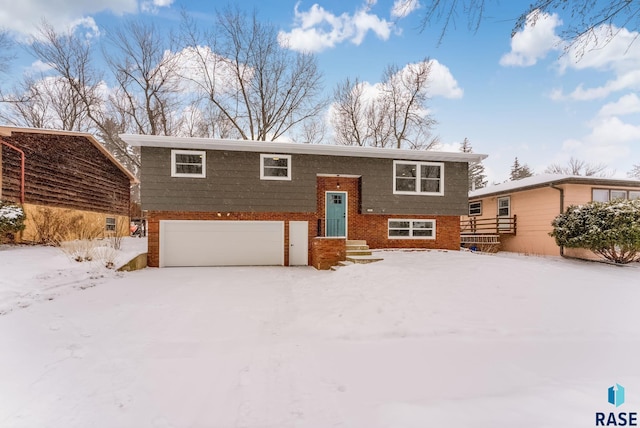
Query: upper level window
point(188, 163)
point(475, 208)
point(418, 177)
point(275, 167)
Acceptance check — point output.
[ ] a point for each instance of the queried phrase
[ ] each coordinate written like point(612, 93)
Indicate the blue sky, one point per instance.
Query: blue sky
point(523, 97)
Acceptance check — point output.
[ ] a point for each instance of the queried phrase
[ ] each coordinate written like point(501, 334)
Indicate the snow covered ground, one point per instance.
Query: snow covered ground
point(421, 339)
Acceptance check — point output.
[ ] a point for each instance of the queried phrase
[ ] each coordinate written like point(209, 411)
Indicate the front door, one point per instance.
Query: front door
point(336, 214)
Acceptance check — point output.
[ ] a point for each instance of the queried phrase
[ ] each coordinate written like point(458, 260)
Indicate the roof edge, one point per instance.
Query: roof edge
point(296, 148)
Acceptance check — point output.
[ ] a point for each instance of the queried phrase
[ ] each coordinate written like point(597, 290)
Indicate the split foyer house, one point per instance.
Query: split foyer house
point(64, 172)
point(225, 202)
point(516, 216)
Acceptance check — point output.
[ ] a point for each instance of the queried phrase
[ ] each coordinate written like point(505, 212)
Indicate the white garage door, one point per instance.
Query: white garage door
point(221, 243)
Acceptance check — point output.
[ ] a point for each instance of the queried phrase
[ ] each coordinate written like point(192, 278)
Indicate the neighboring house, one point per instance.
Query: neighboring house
point(65, 176)
point(518, 214)
point(223, 202)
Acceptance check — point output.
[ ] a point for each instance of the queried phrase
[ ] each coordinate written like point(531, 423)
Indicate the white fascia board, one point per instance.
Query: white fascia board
point(296, 148)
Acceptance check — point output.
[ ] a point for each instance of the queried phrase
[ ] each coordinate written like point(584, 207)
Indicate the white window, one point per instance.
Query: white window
point(412, 229)
point(606, 195)
point(275, 167)
point(110, 225)
point(188, 163)
point(475, 208)
point(425, 178)
point(504, 207)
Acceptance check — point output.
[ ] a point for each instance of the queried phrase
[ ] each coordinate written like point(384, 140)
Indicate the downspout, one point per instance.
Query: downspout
point(22, 157)
point(561, 190)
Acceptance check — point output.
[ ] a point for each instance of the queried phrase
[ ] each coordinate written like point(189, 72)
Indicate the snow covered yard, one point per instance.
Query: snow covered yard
point(421, 339)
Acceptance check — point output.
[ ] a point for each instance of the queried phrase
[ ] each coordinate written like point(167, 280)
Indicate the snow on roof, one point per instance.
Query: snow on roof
point(299, 148)
point(548, 180)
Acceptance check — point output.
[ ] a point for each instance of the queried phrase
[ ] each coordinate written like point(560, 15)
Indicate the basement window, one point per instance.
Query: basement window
point(275, 167)
point(188, 163)
point(412, 229)
point(110, 224)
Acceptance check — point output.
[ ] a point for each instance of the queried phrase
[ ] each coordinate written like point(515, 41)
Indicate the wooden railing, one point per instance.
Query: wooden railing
point(488, 225)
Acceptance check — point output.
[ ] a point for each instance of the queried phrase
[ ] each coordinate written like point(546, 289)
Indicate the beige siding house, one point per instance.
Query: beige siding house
point(516, 216)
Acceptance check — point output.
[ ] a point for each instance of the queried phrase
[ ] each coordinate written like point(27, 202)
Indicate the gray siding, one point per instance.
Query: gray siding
point(233, 184)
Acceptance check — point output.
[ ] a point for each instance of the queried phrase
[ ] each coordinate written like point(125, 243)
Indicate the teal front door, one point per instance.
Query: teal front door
point(336, 214)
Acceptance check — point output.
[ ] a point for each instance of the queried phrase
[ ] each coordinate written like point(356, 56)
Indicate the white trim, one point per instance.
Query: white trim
point(417, 178)
point(202, 153)
point(411, 228)
point(264, 156)
point(479, 203)
point(346, 213)
point(296, 148)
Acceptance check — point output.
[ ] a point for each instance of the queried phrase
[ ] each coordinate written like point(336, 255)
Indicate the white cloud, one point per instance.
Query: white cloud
point(610, 138)
point(627, 104)
point(403, 8)
point(318, 29)
point(607, 49)
point(534, 42)
point(442, 82)
point(22, 17)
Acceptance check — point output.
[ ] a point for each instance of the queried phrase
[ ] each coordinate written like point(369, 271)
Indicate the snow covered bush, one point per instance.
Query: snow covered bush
point(11, 220)
point(610, 229)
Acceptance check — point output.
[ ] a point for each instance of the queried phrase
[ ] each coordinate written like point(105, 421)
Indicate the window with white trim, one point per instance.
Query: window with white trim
point(275, 167)
point(606, 195)
point(110, 224)
point(423, 178)
point(188, 163)
point(475, 208)
point(411, 229)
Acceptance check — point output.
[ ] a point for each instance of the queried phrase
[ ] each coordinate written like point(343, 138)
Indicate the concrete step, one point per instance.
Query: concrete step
point(357, 247)
point(366, 252)
point(341, 265)
point(363, 259)
point(356, 242)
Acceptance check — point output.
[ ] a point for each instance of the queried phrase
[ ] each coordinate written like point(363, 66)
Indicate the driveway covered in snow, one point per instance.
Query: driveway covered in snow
point(421, 339)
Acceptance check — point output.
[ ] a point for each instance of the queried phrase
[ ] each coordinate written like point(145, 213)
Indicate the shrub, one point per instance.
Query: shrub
point(609, 229)
point(11, 220)
point(53, 226)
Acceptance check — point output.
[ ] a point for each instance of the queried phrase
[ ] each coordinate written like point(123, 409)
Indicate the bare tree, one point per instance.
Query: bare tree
point(393, 113)
point(406, 93)
point(579, 167)
point(348, 113)
point(6, 46)
point(582, 17)
point(635, 172)
point(70, 56)
point(148, 84)
point(46, 102)
point(263, 89)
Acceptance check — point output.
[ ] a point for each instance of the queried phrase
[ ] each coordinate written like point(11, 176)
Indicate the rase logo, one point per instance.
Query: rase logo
point(615, 397)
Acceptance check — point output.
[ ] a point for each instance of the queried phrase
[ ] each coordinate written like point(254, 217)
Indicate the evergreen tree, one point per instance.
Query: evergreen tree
point(518, 172)
point(477, 177)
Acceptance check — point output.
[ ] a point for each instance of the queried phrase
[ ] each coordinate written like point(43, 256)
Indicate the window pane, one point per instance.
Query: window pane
point(423, 225)
point(183, 158)
point(188, 169)
point(428, 185)
point(634, 194)
point(423, 232)
point(401, 232)
point(406, 170)
point(475, 208)
point(278, 162)
point(276, 172)
point(399, 224)
point(430, 171)
point(600, 195)
point(618, 194)
point(405, 185)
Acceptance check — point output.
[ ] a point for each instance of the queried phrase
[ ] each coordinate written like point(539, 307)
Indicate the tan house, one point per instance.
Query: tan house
point(64, 178)
point(516, 216)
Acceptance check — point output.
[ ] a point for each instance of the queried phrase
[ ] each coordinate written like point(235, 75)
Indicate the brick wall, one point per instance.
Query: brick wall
point(327, 252)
